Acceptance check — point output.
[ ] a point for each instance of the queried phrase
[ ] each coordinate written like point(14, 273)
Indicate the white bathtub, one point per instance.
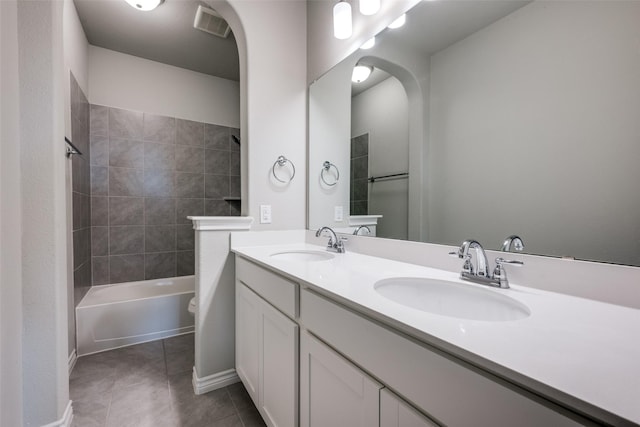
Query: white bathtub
point(113, 316)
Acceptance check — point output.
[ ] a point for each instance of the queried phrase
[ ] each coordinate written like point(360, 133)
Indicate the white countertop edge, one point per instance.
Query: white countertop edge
point(555, 387)
point(267, 237)
point(221, 223)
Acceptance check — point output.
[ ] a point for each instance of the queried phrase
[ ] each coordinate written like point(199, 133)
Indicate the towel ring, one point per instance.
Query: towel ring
point(281, 161)
point(325, 168)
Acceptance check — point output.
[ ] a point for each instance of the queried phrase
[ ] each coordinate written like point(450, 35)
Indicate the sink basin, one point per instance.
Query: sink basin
point(451, 299)
point(302, 256)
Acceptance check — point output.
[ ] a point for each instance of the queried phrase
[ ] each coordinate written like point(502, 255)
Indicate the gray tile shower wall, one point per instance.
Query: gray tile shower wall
point(81, 198)
point(359, 187)
point(148, 173)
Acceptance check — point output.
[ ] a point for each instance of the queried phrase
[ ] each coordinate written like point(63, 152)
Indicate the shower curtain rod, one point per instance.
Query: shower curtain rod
point(71, 149)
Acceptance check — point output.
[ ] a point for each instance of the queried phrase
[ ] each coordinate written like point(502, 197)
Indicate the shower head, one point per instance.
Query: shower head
point(236, 139)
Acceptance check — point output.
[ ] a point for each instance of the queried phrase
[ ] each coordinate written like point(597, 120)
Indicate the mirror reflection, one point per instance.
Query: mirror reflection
point(495, 118)
point(380, 154)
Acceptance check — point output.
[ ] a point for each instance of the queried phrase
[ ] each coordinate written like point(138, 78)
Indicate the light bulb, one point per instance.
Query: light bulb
point(361, 73)
point(398, 22)
point(145, 5)
point(369, 43)
point(369, 7)
point(342, 20)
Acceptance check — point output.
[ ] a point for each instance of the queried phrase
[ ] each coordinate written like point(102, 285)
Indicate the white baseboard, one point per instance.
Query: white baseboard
point(213, 382)
point(66, 419)
point(72, 360)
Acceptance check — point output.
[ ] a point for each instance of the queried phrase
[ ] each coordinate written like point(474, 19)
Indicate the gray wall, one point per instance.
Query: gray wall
point(81, 197)
point(534, 126)
point(133, 83)
point(11, 322)
point(148, 173)
point(43, 193)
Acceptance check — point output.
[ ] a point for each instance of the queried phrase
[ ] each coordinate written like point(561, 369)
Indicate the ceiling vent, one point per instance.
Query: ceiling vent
point(209, 21)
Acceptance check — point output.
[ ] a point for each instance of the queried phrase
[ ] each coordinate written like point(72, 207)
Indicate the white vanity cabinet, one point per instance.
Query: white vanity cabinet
point(447, 389)
point(300, 350)
point(395, 412)
point(266, 347)
point(333, 391)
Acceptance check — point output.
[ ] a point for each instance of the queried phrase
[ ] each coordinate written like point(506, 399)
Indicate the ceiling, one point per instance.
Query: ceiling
point(377, 76)
point(433, 26)
point(165, 35)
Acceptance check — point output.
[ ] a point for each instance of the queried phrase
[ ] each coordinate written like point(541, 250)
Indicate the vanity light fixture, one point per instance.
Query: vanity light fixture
point(342, 20)
point(398, 22)
point(369, 7)
point(369, 43)
point(145, 5)
point(361, 73)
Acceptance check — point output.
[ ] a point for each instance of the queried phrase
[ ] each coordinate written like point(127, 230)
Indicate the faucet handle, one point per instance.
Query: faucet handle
point(500, 273)
point(459, 254)
point(501, 261)
point(467, 267)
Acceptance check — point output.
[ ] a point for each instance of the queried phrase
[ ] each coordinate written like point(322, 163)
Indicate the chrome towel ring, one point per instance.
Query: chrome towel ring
point(326, 166)
point(281, 161)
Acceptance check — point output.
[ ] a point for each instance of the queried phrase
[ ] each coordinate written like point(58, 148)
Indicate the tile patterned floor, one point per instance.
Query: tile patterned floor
point(149, 385)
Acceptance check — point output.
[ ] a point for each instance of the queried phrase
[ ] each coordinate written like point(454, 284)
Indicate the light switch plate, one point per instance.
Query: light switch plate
point(338, 213)
point(265, 214)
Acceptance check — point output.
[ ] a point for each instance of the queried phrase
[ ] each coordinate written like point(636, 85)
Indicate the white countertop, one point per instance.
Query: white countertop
point(584, 354)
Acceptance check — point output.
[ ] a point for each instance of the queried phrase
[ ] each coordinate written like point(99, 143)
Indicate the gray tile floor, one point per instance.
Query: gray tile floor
point(149, 385)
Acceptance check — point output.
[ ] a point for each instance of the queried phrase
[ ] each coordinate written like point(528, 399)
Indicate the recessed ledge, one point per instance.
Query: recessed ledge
point(221, 223)
point(355, 220)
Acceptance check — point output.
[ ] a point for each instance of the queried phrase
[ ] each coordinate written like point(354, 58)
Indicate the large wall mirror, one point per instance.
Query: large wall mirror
point(494, 118)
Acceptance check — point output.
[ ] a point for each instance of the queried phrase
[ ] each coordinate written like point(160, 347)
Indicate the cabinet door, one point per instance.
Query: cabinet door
point(248, 338)
point(334, 392)
point(394, 412)
point(279, 368)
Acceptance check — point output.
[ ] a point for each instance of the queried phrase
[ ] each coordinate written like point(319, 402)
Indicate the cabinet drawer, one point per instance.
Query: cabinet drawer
point(451, 391)
point(280, 292)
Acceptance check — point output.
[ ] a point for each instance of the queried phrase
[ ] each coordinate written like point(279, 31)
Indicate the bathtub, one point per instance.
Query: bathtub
point(113, 316)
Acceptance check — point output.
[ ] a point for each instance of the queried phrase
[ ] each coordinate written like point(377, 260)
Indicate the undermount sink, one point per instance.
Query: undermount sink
point(302, 256)
point(451, 299)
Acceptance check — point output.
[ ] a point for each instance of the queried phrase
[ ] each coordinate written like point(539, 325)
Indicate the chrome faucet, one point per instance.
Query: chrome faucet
point(482, 264)
point(480, 272)
point(361, 227)
point(513, 241)
point(334, 243)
